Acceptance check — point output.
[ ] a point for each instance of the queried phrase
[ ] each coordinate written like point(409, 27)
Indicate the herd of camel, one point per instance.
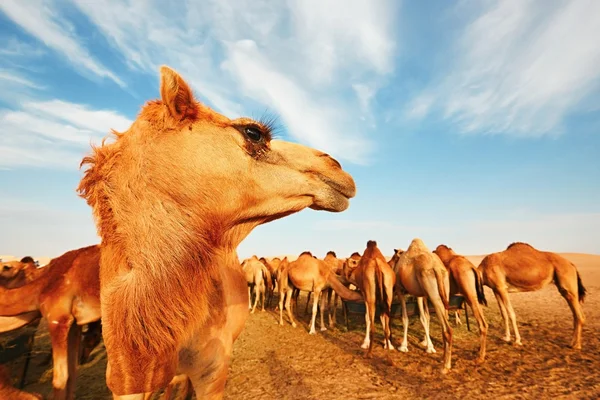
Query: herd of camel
point(172, 198)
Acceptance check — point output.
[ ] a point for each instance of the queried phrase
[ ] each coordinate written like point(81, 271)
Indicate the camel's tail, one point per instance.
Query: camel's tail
point(581, 290)
point(267, 277)
point(479, 288)
point(342, 291)
point(441, 288)
point(385, 308)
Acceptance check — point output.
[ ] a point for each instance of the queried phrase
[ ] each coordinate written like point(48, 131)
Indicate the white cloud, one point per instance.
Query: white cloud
point(53, 134)
point(520, 67)
point(11, 78)
point(42, 22)
point(305, 59)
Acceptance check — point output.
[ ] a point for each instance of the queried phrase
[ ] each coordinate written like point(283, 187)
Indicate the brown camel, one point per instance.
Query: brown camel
point(421, 273)
point(67, 296)
point(272, 267)
point(465, 280)
point(522, 268)
point(312, 275)
point(173, 197)
point(258, 278)
point(376, 280)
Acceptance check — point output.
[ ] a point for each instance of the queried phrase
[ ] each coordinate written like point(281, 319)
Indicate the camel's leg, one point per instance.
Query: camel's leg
point(504, 313)
point(430, 287)
point(288, 305)
point(208, 374)
point(404, 346)
point(367, 341)
point(424, 316)
point(511, 313)
point(576, 309)
point(249, 298)
point(387, 332)
point(481, 322)
point(457, 320)
point(281, 298)
point(59, 336)
point(329, 300)
point(307, 302)
point(314, 312)
point(423, 304)
point(256, 298)
point(323, 309)
point(372, 311)
point(333, 309)
point(74, 341)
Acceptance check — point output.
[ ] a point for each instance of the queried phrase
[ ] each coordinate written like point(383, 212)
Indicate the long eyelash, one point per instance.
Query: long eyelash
point(272, 123)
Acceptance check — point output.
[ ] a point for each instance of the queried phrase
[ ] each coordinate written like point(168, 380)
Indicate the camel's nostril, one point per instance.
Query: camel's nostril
point(6, 267)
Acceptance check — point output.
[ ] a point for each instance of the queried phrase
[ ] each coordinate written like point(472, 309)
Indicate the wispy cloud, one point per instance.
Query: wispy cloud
point(519, 68)
point(42, 21)
point(297, 58)
point(12, 78)
point(53, 133)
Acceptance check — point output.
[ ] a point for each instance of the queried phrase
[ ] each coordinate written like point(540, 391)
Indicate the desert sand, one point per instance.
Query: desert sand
point(273, 362)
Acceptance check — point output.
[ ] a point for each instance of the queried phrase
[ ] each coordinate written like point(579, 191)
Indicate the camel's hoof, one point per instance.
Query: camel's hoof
point(252, 312)
point(445, 370)
point(312, 333)
point(294, 325)
point(519, 343)
point(391, 347)
point(480, 360)
point(431, 350)
point(506, 339)
point(323, 329)
point(423, 343)
point(403, 349)
point(364, 345)
point(575, 346)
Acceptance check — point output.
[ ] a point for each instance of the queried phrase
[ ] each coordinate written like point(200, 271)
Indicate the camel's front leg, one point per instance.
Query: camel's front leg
point(249, 298)
point(256, 297)
point(367, 342)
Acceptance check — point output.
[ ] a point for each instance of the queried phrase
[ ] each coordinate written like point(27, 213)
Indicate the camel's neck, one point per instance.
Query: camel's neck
point(22, 299)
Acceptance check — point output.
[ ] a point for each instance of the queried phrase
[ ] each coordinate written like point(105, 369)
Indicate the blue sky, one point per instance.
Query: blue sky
point(469, 123)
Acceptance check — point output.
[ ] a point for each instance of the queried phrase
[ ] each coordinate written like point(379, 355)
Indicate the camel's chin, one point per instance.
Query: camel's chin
point(332, 204)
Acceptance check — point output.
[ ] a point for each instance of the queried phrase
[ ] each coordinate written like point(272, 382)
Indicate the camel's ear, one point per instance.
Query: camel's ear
point(177, 95)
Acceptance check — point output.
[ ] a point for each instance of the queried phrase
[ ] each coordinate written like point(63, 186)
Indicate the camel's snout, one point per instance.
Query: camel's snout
point(6, 267)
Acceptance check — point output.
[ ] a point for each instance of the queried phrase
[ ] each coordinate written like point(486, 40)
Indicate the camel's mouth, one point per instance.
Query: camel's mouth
point(337, 193)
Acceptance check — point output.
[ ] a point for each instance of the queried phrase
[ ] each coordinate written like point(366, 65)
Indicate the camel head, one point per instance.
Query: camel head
point(444, 252)
point(212, 176)
point(396, 256)
point(10, 269)
point(350, 264)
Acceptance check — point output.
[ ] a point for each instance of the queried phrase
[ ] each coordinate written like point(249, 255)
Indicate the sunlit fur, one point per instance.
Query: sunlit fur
point(172, 197)
point(522, 268)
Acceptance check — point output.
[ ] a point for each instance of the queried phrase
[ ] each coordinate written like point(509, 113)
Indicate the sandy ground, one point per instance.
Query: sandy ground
point(273, 362)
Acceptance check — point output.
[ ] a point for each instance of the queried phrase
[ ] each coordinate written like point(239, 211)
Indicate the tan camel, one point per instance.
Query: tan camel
point(258, 278)
point(312, 275)
point(376, 280)
point(522, 268)
point(422, 274)
point(173, 197)
point(67, 296)
point(272, 267)
point(465, 280)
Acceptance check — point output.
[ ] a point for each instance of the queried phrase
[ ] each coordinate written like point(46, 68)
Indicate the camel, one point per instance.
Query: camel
point(258, 278)
point(272, 267)
point(522, 268)
point(376, 281)
point(337, 266)
point(421, 273)
point(66, 295)
point(17, 273)
point(173, 197)
point(465, 280)
point(313, 275)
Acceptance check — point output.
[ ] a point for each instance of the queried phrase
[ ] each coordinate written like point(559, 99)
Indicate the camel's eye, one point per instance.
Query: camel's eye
point(253, 133)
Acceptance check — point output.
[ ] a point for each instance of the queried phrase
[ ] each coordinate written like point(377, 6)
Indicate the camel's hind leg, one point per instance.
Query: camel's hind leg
point(504, 313)
point(256, 298)
point(324, 309)
point(404, 346)
point(316, 298)
point(471, 298)
point(430, 287)
point(569, 293)
point(59, 336)
point(425, 319)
